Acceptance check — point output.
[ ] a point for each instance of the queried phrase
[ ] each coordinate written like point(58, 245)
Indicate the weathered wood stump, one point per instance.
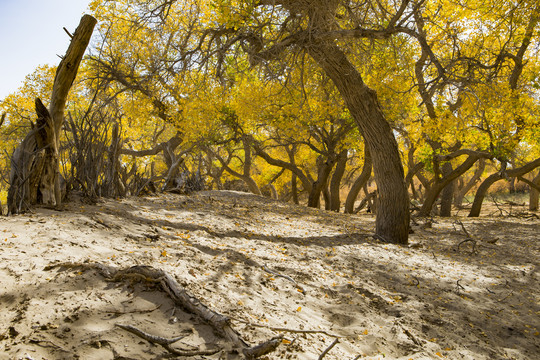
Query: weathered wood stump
point(35, 175)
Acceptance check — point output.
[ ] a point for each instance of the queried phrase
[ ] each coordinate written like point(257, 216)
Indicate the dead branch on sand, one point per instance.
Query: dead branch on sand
point(182, 298)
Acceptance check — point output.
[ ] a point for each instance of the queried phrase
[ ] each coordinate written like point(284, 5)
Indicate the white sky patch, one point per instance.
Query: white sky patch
point(31, 34)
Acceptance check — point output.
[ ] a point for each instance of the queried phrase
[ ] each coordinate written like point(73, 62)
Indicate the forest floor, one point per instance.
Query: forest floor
point(316, 276)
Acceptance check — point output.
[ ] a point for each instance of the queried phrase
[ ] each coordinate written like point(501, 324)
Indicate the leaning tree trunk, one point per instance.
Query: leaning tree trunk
point(392, 223)
point(35, 173)
point(493, 178)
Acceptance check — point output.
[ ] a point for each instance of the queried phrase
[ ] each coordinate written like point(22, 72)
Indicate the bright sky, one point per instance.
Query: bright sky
point(31, 34)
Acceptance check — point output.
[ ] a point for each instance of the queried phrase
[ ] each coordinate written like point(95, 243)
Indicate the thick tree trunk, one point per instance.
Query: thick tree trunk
point(359, 182)
point(392, 223)
point(335, 182)
point(493, 178)
point(35, 173)
point(447, 195)
point(534, 194)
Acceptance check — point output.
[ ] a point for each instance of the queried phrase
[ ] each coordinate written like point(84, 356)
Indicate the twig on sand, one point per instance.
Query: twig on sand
point(474, 250)
point(459, 222)
point(286, 277)
point(459, 286)
point(468, 239)
point(328, 349)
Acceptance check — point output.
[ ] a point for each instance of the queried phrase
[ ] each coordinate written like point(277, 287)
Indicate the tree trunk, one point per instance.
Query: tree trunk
point(493, 178)
point(458, 199)
point(335, 183)
point(294, 188)
point(392, 223)
point(534, 194)
point(35, 172)
point(447, 195)
point(359, 183)
point(325, 168)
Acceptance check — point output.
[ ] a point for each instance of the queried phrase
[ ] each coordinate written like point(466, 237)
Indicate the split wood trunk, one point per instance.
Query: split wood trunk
point(35, 174)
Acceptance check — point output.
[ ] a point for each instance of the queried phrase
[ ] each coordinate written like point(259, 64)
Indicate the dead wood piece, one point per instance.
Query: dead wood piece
point(286, 277)
point(263, 348)
point(328, 349)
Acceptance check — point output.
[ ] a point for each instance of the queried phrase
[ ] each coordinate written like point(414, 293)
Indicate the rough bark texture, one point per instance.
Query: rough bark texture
point(335, 182)
point(534, 194)
point(486, 184)
point(294, 189)
point(324, 170)
point(359, 183)
point(35, 174)
point(447, 195)
point(392, 223)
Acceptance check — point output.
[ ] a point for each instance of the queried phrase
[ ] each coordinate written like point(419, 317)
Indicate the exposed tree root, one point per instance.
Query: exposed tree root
point(182, 298)
point(166, 343)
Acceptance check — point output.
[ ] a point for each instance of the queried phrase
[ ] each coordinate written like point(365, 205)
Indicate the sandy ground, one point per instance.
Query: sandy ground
point(434, 299)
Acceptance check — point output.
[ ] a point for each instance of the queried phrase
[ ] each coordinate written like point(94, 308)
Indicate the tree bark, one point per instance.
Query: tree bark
point(534, 194)
point(447, 195)
point(325, 168)
point(294, 189)
point(493, 178)
point(392, 222)
point(359, 183)
point(35, 174)
point(335, 182)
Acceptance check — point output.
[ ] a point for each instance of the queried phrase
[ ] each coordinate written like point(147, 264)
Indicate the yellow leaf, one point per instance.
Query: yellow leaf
point(299, 308)
point(164, 253)
point(438, 354)
point(285, 341)
point(365, 332)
